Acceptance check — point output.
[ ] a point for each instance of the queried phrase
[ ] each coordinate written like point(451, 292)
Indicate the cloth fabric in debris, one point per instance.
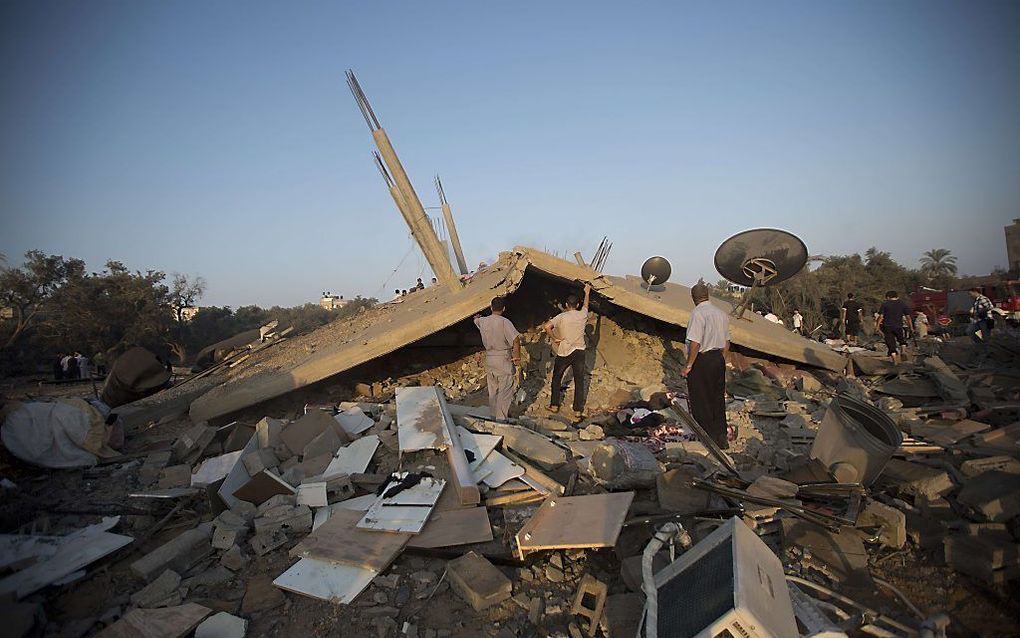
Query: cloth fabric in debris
point(58, 434)
point(666, 433)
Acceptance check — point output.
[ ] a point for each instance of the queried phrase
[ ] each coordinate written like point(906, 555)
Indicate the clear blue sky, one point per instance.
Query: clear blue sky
point(219, 138)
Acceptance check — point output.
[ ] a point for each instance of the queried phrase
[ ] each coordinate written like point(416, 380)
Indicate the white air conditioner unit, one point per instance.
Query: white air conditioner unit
point(730, 585)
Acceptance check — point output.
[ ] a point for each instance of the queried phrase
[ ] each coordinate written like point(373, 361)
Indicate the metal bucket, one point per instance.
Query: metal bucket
point(855, 440)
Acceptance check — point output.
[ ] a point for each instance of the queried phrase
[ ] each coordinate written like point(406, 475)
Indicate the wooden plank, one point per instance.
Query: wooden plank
point(353, 459)
point(454, 527)
point(338, 583)
point(566, 522)
point(420, 424)
point(169, 622)
point(339, 540)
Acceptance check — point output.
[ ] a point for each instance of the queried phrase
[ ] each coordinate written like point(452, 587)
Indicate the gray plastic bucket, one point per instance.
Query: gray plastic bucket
point(855, 440)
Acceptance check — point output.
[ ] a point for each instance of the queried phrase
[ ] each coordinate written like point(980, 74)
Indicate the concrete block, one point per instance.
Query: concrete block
point(227, 537)
point(268, 432)
point(189, 447)
point(174, 476)
point(296, 519)
point(973, 467)
point(234, 559)
point(177, 553)
point(994, 494)
point(915, 478)
point(265, 542)
point(892, 523)
point(326, 443)
point(993, 561)
point(222, 625)
point(478, 581)
point(261, 459)
point(275, 501)
point(162, 592)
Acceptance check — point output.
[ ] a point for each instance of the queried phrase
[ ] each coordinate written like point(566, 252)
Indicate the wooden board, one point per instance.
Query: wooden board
point(463, 479)
point(420, 424)
point(353, 459)
point(339, 584)
point(454, 527)
point(565, 522)
point(339, 540)
point(169, 622)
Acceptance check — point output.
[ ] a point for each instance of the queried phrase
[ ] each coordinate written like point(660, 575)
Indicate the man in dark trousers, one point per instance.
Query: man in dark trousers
point(890, 322)
point(708, 340)
point(566, 330)
point(851, 315)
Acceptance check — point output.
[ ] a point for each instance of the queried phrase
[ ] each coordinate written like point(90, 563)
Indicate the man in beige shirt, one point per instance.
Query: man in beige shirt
point(566, 330)
point(502, 352)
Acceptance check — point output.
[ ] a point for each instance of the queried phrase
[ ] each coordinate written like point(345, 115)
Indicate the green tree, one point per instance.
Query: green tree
point(27, 291)
point(938, 265)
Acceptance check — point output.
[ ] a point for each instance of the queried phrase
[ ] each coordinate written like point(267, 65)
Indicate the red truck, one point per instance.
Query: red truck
point(952, 310)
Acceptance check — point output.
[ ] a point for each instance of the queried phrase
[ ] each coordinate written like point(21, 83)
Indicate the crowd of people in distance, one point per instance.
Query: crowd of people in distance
point(74, 365)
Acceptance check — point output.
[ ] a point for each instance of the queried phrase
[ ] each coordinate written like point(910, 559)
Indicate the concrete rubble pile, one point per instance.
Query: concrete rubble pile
point(891, 496)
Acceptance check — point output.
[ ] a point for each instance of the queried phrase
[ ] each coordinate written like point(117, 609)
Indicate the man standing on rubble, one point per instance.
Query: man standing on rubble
point(708, 341)
point(566, 330)
point(502, 352)
point(981, 318)
point(851, 315)
point(890, 322)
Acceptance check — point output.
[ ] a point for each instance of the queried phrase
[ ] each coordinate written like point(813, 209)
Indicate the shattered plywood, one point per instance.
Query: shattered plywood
point(433, 309)
point(569, 522)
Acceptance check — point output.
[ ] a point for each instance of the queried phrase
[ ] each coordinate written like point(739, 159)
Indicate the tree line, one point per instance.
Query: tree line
point(52, 305)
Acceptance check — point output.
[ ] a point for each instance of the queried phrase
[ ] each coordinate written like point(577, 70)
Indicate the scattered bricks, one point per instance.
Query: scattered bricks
point(477, 581)
point(293, 519)
point(234, 559)
point(174, 476)
point(916, 479)
point(162, 592)
point(339, 488)
point(154, 463)
point(265, 542)
point(245, 510)
point(974, 467)
point(175, 554)
point(189, 446)
point(892, 523)
point(262, 459)
point(995, 495)
point(990, 560)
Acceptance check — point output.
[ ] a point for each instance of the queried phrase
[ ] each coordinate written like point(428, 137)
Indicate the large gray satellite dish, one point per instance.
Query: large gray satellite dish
point(655, 271)
point(760, 257)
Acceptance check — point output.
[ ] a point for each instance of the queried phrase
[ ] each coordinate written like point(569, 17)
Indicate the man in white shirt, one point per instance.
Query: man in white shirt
point(708, 340)
point(566, 330)
point(502, 352)
point(798, 321)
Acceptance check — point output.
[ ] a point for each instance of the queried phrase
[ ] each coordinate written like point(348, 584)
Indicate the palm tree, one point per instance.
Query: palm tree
point(938, 263)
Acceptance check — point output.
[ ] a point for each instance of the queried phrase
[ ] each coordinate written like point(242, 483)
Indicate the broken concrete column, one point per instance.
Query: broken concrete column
point(230, 529)
point(175, 554)
point(478, 581)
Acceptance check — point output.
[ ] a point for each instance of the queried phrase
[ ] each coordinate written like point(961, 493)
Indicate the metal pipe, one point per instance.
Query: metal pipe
point(666, 534)
point(910, 631)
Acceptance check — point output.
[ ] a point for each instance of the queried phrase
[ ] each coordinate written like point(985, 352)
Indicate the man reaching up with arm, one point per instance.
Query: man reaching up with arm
point(566, 331)
point(708, 340)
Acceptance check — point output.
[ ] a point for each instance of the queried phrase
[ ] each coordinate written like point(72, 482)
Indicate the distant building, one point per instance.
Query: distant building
point(330, 301)
point(187, 312)
point(1013, 245)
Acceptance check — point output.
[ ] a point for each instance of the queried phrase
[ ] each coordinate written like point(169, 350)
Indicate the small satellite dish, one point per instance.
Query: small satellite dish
point(760, 257)
point(655, 271)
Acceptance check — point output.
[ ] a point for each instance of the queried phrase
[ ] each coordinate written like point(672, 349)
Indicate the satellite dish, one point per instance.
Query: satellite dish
point(655, 270)
point(761, 257)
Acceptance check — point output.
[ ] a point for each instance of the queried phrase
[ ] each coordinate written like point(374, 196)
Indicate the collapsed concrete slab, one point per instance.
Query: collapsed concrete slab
point(429, 311)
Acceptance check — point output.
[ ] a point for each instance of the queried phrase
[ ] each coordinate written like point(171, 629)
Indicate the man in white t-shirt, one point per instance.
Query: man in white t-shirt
point(798, 321)
point(566, 330)
point(708, 340)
